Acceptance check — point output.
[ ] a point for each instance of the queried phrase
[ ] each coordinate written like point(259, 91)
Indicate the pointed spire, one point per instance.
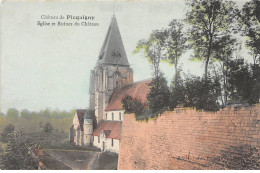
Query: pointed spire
point(113, 51)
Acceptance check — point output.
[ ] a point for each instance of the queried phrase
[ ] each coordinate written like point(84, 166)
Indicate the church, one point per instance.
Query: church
point(110, 81)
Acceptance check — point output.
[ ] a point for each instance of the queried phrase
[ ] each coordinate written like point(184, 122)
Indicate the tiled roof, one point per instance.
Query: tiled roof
point(80, 114)
point(112, 129)
point(138, 90)
point(107, 132)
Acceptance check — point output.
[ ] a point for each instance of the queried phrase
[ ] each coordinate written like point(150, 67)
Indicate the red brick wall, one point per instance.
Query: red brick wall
point(186, 138)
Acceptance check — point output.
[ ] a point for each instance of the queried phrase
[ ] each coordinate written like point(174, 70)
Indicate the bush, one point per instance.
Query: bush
point(7, 131)
point(197, 93)
point(132, 105)
point(159, 96)
point(18, 153)
point(47, 128)
point(243, 82)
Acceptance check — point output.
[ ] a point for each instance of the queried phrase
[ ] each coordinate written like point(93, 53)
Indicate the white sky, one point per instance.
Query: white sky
point(50, 66)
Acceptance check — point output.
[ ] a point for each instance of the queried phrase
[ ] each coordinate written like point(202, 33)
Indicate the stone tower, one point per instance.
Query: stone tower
point(112, 71)
point(88, 129)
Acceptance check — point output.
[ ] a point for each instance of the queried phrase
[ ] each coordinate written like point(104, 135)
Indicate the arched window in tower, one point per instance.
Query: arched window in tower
point(106, 116)
point(112, 116)
point(120, 116)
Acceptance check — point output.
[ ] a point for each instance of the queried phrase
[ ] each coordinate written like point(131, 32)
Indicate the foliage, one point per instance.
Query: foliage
point(195, 92)
point(241, 157)
point(7, 131)
point(133, 105)
point(30, 120)
point(175, 43)
point(211, 22)
point(159, 96)
point(152, 49)
point(12, 113)
point(56, 140)
point(225, 50)
point(250, 27)
point(18, 153)
point(243, 83)
point(26, 114)
point(47, 128)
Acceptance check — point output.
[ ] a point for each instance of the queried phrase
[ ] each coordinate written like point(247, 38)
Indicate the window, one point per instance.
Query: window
point(98, 139)
point(112, 142)
point(112, 116)
point(106, 116)
point(119, 115)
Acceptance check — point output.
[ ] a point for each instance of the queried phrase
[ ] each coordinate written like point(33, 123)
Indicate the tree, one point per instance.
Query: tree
point(250, 27)
point(242, 84)
point(45, 113)
point(18, 153)
point(223, 52)
point(7, 131)
point(192, 91)
point(152, 49)
point(26, 114)
point(47, 128)
point(177, 90)
point(159, 96)
point(133, 105)
point(175, 44)
point(210, 21)
point(12, 113)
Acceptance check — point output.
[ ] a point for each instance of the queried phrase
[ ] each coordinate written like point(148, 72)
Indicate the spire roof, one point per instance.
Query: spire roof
point(113, 51)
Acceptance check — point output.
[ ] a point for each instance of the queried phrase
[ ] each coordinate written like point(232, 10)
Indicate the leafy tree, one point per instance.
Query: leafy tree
point(210, 21)
point(177, 92)
point(250, 27)
point(45, 113)
point(175, 44)
point(18, 153)
point(243, 85)
point(224, 50)
point(159, 96)
point(133, 105)
point(6, 132)
point(26, 114)
point(47, 128)
point(195, 92)
point(153, 48)
point(208, 93)
point(12, 113)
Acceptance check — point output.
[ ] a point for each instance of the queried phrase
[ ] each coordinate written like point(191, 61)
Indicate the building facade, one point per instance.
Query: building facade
point(110, 81)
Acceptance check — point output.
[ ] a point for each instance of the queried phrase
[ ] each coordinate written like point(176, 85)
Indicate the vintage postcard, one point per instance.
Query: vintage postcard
point(130, 85)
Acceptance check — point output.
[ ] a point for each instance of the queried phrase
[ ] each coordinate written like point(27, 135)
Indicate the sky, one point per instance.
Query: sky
point(49, 66)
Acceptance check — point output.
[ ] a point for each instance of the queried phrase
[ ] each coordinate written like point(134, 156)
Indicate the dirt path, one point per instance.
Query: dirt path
point(73, 159)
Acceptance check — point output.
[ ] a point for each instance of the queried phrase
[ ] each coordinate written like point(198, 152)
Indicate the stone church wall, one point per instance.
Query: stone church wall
point(186, 138)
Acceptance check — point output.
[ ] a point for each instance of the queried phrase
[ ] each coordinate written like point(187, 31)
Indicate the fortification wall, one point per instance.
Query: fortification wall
point(186, 138)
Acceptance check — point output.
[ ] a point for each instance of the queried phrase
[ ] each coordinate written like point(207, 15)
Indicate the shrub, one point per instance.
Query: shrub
point(47, 128)
point(243, 82)
point(18, 153)
point(132, 105)
point(194, 92)
point(159, 96)
point(7, 131)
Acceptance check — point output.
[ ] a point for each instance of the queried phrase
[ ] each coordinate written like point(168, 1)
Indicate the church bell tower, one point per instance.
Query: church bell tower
point(111, 72)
